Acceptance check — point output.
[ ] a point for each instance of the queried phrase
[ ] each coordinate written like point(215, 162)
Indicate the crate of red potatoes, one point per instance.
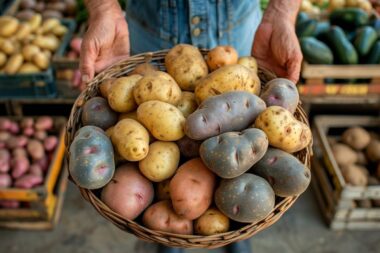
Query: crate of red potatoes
point(199, 156)
point(31, 155)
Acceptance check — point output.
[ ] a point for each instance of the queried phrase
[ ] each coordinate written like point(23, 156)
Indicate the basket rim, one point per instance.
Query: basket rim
point(172, 239)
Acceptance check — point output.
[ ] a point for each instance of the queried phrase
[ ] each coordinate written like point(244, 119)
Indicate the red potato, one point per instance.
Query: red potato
point(2, 145)
point(17, 142)
point(9, 204)
point(18, 152)
point(44, 123)
point(35, 149)
point(20, 166)
point(14, 128)
point(43, 163)
point(28, 181)
point(4, 136)
point(40, 135)
point(27, 122)
point(5, 124)
point(50, 143)
point(5, 180)
point(29, 131)
point(4, 160)
point(36, 170)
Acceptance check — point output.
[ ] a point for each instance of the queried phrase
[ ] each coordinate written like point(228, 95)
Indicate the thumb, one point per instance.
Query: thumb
point(294, 68)
point(87, 61)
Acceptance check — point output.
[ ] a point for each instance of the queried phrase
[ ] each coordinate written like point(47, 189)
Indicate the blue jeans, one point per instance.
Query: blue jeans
point(160, 24)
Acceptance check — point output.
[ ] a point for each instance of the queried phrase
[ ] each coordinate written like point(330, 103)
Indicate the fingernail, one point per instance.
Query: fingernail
point(85, 78)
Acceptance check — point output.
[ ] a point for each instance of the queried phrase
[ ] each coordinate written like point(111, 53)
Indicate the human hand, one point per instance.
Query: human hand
point(276, 48)
point(105, 42)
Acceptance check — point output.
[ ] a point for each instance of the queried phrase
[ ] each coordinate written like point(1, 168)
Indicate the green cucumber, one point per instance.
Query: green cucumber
point(315, 51)
point(373, 56)
point(321, 28)
point(306, 28)
point(349, 18)
point(351, 35)
point(365, 38)
point(344, 51)
point(301, 17)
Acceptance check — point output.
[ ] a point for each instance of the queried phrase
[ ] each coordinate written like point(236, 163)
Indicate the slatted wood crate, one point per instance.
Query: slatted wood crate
point(337, 198)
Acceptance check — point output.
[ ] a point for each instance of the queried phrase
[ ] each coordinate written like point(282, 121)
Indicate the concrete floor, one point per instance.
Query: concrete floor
point(81, 229)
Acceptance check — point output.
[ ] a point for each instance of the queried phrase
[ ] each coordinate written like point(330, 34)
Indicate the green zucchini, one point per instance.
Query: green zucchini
point(306, 28)
point(349, 18)
point(301, 17)
point(373, 56)
point(344, 51)
point(315, 51)
point(364, 40)
point(321, 28)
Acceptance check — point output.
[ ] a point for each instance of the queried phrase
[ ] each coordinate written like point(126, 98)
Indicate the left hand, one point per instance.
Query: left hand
point(276, 48)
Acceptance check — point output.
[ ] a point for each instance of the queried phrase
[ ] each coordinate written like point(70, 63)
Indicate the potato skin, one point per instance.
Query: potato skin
point(225, 79)
point(247, 198)
point(186, 65)
point(130, 139)
point(161, 217)
point(157, 85)
point(187, 103)
point(231, 154)
point(163, 120)
point(232, 111)
point(129, 193)
point(105, 86)
point(248, 62)
point(212, 222)
point(221, 56)
point(343, 154)
point(189, 148)
point(161, 162)
point(284, 172)
point(356, 137)
point(144, 68)
point(373, 150)
point(91, 158)
point(283, 130)
point(355, 175)
point(120, 94)
point(281, 92)
point(192, 188)
point(96, 112)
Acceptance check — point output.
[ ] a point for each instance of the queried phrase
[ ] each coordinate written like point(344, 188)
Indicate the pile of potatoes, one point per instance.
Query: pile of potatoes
point(196, 148)
point(27, 46)
point(47, 8)
point(26, 149)
point(357, 153)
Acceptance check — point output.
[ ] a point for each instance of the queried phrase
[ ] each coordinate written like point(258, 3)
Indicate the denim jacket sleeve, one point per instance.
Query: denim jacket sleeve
point(160, 24)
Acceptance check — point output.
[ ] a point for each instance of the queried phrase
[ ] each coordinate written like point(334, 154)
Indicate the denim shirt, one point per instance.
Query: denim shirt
point(160, 24)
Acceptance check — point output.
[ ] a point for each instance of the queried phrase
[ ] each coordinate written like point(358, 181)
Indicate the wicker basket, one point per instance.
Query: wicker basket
point(169, 239)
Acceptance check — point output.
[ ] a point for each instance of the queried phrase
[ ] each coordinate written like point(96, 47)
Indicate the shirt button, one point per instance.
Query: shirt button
point(195, 20)
point(196, 32)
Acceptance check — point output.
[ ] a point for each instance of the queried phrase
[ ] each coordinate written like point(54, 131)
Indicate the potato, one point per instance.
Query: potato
point(212, 222)
point(283, 130)
point(25, 15)
point(246, 198)
point(128, 115)
point(3, 59)
point(44, 123)
point(40, 135)
point(228, 78)
point(5, 180)
point(56, 6)
point(129, 193)
point(35, 22)
point(20, 166)
point(284, 172)
point(161, 217)
point(27, 4)
point(5, 124)
point(27, 68)
point(91, 162)
point(161, 162)
point(41, 60)
point(35, 149)
point(221, 56)
point(59, 30)
point(104, 87)
point(163, 190)
point(361, 158)
point(186, 65)
point(4, 136)
point(120, 94)
point(192, 188)
point(356, 137)
point(373, 150)
point(4, 160)
point(18, 152)
point(130, 139)
point(144, 68)
point(189, 148)
point(46, 42)
point(35, 169)
point(28, 181)
point(8, 26)
point(40, 7)
point(96, 112)
point(14, 128)
point(47, 14)
point(187, 103)
point(43, 163)
point(343, 154)
point(50, 143)
point(16, 142)
point(14, 63)
point(354, 174)
point(49, 24)
point(248, 62)
point(231, 111)
point(163, 120)
point(281, 92)
point(29, 50)
point(233, 153)
point(157, 85)
point(8, 47)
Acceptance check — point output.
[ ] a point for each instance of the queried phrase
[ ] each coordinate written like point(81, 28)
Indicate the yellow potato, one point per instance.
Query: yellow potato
point(187, 104)
point(157, 85)
point(105, 86)
point(49, 24)
point(128, 115)
point(161, 162)
point(8, 47)
point(23, 31)
point(13, 64)
point(41, 60)
point(221, 56)
point(130, 139)
point(120, 94)
point(163, 190)
point(8, 26)
point(163, 120)
point(28, 68)
point(225, 79)
point(186, 65)
point(212, 222)
point(35, 22)
point(28, 51)
point(144, 68)
point(249, 62)
point(47, 42)
point(59, 30)
point(109, 131)
point(283, 130)
point(3, 59)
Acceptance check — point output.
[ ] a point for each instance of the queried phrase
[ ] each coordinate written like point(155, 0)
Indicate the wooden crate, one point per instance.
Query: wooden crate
point(42, 200)
point(315, 76)
point(336, 198)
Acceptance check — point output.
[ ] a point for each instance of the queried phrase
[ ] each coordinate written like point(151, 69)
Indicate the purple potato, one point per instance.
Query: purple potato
point(97, 112)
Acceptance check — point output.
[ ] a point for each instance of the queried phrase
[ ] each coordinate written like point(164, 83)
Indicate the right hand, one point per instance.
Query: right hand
point(105, 42)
